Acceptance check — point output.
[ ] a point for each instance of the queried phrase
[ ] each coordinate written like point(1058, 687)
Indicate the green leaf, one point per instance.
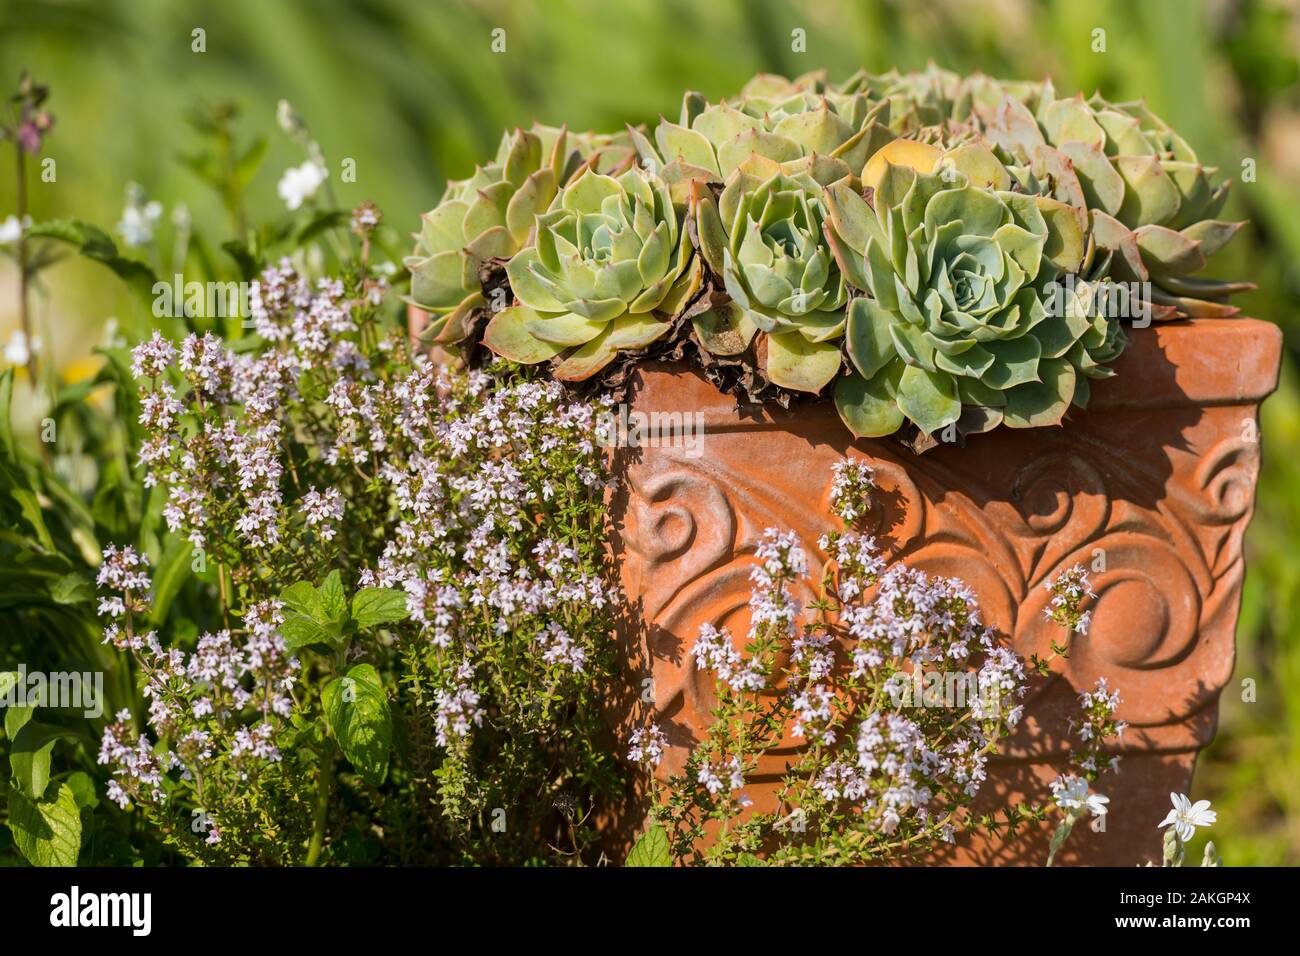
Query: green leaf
point(6, 426)
point(72, 588)
point(301, 598)
point(15, 716)
point(869, 408)
point(371, 606)
point(869, 344)
point(928, 398)
point(333, 600)
point(1042, 403)
point(173, 569)
point(29, 757)
point(507, 335)
point(47, 831)
point(94, 243)
point(356, 708)
point(794, 362)
point(651, 849)
point(1058, 838)
point(299, 630)
point(248, 164)
point(83, 790)
point(31, 509)
point(314, 615)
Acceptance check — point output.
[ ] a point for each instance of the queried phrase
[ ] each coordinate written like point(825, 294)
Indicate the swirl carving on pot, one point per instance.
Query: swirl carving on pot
point(690, 531)
point(1062, 501)
point(1143, 637)
point(1162, 535)
point(669, 545)
point(1151, 489)
point(1226, 476)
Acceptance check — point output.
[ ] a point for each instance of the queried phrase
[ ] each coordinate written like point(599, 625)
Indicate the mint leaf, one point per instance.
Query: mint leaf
point(47, 832)
point(301, 598)
point(305, 620)
point(333, 601)
point(299, 631)
point(356, 708)
point(373, 606)
point(83, 790)
point(29, 757)
point(651, 849)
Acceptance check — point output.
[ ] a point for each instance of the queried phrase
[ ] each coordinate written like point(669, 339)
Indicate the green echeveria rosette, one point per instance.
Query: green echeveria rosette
point(1150, 202)
point(606, 271)
point(927, 227)
point(764, 236)
point(486, 216)
point(491, 214)
point(960, 323)
point(798, 124)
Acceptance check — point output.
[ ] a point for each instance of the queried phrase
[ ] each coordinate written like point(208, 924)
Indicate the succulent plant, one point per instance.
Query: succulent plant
point(491, 214)
point(959, 278)
point(796, 123)
point(930, 97)
point(937, 246)
point(1134, 180)
point(606, 270)
point(913, 100)
point(765, 237)
point(486, 216)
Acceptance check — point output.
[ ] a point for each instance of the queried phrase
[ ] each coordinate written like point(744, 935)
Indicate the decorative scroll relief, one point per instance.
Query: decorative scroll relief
point(1164, 550)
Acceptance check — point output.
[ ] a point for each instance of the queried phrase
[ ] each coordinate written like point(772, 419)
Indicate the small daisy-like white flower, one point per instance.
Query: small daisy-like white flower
point(299, 183)
point(136, 225)
point(18, 350)
point(13, 228)
point(1186, 816)
point(1073, 794)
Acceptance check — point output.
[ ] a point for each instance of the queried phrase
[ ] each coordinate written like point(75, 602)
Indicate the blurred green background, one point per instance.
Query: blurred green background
point(414, 93)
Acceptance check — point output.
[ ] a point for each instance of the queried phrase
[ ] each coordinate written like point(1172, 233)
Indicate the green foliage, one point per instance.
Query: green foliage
point(93, 243)
point(356, 708)
point(451, 96)
point(322, 615)
point(47, 830)
point(651, 848)
point(29, 756)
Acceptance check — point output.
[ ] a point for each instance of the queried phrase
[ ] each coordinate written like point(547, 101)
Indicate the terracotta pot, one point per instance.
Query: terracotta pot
point(1157, 476)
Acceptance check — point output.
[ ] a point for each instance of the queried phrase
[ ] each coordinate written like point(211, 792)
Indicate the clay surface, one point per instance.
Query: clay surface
point(1157, 477)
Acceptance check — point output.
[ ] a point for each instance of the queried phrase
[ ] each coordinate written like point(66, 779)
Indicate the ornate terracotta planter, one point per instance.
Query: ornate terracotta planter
point(1157, 479)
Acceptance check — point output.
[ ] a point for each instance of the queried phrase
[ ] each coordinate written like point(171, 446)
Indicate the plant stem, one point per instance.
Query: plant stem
point(23, 312)
point(221, 590)
point(325, 774)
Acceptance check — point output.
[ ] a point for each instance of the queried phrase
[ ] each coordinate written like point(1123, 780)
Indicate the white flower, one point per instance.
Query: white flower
point(1072, 794)
point(1187, 816)
point(18, 351)
point(136, 227)
point(299, 183)
point(11, 229)
point(289, 120)
point(647, 745)
point(322, 511)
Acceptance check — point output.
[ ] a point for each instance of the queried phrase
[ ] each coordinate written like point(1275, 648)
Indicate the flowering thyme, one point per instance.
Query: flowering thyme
point(1069, 590)
point(875, 778)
